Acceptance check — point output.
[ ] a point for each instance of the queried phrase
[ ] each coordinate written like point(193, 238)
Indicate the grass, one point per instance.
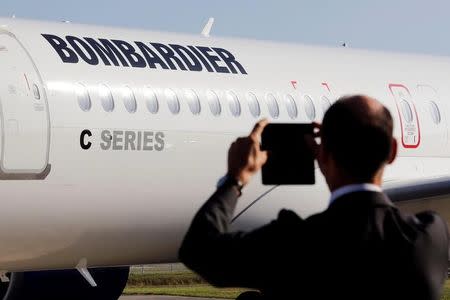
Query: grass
point(446, 293)
point(178, 283)
point(165, 279)
point(198, 290)
point(186, 283)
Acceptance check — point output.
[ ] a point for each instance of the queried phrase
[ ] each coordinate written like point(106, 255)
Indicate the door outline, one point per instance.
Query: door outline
point(441, 105)
point(43, 173)
point(391, 88)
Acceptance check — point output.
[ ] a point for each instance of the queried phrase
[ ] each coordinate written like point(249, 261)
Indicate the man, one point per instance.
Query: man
point(361, 247)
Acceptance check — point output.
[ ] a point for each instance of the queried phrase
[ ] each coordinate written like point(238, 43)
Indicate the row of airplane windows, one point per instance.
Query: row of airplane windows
point(433, 109)
point(172, 99)
point(152, 102)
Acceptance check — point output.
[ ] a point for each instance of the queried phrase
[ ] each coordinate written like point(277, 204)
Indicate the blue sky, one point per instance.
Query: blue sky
point(395, 25)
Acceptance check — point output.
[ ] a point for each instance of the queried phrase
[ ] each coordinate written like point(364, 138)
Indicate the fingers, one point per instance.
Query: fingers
point(258, 129)
point(245, 157)
point(262, 158)
point(311, 139)
point(312, 144)
point(316, 129)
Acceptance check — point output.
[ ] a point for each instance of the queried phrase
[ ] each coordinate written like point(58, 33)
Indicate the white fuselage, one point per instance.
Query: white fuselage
point(129, 197)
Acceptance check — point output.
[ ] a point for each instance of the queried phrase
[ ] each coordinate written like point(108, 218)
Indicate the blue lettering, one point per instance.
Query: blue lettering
point(66, 54)
point(202, 58)
point(191, 62)
point(230, 60)
point(141, 55)
point(169, 56)
point(87, 54)
point(107, 52)
point(151, 57)
point(213, 59)
point(128, 50)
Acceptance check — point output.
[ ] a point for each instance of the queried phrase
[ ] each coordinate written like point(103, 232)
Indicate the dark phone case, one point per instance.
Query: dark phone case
point(291, 160)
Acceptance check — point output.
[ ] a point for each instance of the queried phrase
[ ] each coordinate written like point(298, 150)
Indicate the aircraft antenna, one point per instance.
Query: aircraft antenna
point(83, 269)
point(207, 29)
point(4, 277)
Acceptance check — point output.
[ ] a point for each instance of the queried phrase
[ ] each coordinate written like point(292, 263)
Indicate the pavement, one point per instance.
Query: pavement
point(162, 298)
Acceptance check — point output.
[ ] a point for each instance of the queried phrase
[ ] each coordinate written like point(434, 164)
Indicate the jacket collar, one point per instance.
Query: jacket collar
point(362, 198)
point(351, 188)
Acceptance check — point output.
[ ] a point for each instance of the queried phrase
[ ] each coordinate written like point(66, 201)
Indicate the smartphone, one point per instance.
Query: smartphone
point(290, 157)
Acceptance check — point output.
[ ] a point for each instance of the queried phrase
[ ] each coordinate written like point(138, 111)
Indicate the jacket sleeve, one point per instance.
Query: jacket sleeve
point(431, 248)
point(224, 258)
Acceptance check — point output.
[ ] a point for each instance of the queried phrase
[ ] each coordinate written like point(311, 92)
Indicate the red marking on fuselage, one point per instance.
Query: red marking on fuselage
point(294, 83)
point(391, 88)
point(327, 86)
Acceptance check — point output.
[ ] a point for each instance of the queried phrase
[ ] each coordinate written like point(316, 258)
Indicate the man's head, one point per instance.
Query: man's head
point(357, 141)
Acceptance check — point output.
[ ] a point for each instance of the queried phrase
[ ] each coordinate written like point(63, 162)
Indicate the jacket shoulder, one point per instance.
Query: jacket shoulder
point(288, 217)
point(423, 230)
point(429, 217)
point(431, 222)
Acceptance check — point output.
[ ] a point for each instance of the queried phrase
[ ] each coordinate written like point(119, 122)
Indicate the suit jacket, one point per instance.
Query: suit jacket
point(361, 247)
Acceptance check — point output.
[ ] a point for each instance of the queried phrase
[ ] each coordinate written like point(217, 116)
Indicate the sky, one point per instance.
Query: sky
point(414, 26)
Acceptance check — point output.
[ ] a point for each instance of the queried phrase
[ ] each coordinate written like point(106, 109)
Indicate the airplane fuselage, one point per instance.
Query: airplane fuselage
point(113, 138)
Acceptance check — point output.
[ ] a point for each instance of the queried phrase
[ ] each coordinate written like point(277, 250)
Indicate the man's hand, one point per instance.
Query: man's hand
point(311, 139)
point(245, 157)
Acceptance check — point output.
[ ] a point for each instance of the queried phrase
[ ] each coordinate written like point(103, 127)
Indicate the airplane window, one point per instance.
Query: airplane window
point(36, 93)
point(272, 104)
point(253, 105)
point(214, 103)
point(310, 109)
point(106, 97)
point(326, 103)
point(193, 101)
point(84, 100)
point(129, 100)
point(151, 101)
point(172, 101)
point(291, 107)
point(234, 105)
point(435, 113)
point(406, 111)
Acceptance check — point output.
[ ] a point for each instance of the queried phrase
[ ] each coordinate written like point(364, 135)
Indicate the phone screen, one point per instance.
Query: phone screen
point(290, 159)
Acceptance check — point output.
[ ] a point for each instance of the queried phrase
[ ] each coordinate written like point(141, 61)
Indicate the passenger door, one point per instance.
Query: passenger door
point(25, 125)
point(409, 120)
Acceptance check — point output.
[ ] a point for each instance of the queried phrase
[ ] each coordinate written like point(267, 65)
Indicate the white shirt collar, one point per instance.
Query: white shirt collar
point(351, 188)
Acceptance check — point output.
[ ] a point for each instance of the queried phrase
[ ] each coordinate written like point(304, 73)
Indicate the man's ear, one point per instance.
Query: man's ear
point(393, 153)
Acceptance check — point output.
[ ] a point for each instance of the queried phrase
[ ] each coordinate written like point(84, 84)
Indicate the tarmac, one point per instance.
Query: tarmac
point(162, 298)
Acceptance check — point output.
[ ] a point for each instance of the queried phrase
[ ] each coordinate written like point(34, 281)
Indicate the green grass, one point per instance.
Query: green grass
point(199, 290)
point(179, 283)
point(446, 293)
point(165, 278)
point(186, 283)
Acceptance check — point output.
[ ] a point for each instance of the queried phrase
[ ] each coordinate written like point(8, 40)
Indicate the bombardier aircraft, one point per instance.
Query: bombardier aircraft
point(112, 138)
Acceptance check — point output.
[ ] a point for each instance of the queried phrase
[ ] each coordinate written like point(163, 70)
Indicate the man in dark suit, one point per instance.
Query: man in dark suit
point(361, 247)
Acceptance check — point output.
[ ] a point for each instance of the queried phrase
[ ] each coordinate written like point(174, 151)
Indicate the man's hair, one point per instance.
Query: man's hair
point(358, 136)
